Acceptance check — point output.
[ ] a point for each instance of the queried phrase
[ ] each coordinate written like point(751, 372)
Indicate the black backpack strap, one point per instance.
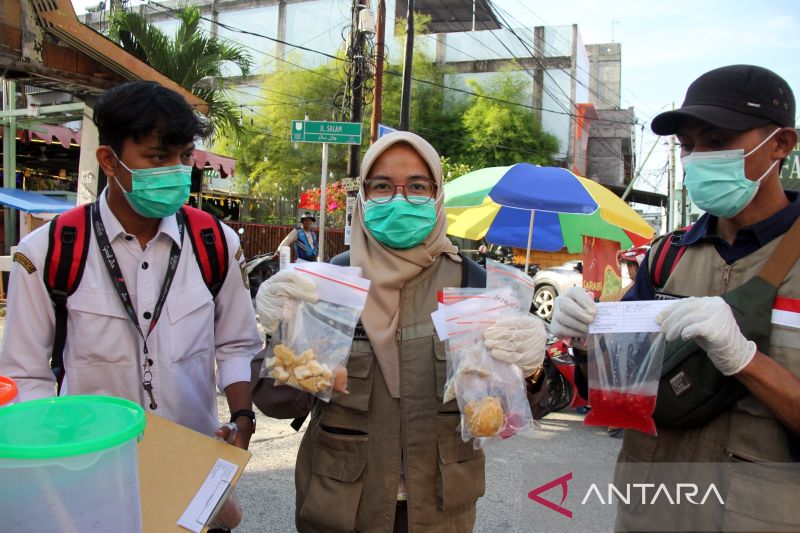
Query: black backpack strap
point(209, 245)
point(67, 249)
point(664, 257)
point(342, 259)
point(472, 274)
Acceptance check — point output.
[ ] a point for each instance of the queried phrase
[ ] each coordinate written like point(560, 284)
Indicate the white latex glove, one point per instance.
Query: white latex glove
point(274, 295)
point(519, 340)
point(573, 311)
point(709, 322)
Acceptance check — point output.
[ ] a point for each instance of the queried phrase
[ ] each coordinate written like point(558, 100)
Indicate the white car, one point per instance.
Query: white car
point(551, 282)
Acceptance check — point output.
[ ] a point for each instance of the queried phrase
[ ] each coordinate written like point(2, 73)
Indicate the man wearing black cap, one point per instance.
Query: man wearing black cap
point(304, 239)
point(735, 128)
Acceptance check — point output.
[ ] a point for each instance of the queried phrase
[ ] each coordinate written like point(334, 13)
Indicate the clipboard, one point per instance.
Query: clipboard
point(173, 463)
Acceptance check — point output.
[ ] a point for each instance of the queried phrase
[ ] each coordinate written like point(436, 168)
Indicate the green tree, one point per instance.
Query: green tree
point(452, 170)
point(502, 133)
point(188, 57)
point(267, 160)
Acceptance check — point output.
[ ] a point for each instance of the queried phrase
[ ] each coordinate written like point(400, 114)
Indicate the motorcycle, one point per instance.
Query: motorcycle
point(260, 268)
point(504, 255)
point(552, 387)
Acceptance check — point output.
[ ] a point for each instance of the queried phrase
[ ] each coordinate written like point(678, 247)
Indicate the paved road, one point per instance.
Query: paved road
point(513, 468)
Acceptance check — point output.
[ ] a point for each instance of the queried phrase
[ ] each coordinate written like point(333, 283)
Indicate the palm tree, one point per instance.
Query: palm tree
point(190, 56)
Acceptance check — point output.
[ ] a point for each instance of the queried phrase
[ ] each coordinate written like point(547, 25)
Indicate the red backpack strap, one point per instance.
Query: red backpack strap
point(63, 268)
point(210, 246)
point(664, 258)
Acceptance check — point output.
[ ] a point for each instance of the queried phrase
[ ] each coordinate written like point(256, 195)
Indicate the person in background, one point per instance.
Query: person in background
point(630, 260)
point(119, 342)
point(303, 239)
point(386, 456)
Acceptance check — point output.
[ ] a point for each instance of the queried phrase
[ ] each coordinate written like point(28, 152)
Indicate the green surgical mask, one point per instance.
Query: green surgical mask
point(398, 223)
point(158, 192)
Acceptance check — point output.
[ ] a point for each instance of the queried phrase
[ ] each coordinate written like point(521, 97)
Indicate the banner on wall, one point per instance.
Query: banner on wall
point(601, 273)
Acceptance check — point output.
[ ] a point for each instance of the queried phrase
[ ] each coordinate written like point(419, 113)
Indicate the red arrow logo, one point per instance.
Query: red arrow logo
point(562, 482)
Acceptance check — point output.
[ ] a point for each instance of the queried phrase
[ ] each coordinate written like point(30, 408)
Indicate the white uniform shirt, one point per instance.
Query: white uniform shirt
point(103, 353)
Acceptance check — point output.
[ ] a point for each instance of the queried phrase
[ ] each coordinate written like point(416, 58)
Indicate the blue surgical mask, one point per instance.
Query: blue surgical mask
point(398, 223)
point(717, 183)
point(157, 192)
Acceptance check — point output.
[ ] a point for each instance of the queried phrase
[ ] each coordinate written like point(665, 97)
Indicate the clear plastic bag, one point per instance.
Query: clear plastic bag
point(500, 276)
point(311, 349)
point(490, 393)
point(463, 310)
point(624, 371)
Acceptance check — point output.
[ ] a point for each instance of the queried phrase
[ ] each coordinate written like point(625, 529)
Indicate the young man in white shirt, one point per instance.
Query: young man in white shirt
point(155, 334)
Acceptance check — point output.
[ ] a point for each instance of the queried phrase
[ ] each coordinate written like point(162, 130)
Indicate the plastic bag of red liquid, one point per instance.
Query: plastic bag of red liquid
point(624, 370)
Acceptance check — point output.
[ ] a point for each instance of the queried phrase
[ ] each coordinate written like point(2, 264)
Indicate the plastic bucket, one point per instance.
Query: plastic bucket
point(69, 464)
point(8, 391)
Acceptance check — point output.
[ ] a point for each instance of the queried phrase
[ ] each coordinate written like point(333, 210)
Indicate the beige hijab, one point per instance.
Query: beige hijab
point(389, 269)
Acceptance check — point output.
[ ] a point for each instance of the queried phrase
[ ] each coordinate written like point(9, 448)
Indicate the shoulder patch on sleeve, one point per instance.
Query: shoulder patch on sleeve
point(26, 263)
point(245, 278)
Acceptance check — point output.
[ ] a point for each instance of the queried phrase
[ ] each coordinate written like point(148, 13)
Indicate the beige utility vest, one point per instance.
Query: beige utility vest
point(748, 431)
point(349, 463)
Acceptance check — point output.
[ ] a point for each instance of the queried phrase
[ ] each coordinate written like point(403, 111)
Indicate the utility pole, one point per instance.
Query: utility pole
point(671, 185)
point(377, 100)
point(9, 160)
point(405, 99)
point(357, 64)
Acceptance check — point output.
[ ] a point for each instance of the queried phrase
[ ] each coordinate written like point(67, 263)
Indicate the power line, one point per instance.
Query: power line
point(393, 73)
point(507, 26)
point(544, 22)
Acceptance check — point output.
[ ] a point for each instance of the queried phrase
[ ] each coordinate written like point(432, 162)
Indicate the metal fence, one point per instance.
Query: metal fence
point(265, 238)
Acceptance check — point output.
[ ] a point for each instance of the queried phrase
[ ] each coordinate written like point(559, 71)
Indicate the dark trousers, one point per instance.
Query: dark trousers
point(401, 518)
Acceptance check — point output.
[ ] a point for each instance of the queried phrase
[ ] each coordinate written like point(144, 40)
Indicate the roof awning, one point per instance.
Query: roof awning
point(49, 133)
point(226, 165)
point(32, 202)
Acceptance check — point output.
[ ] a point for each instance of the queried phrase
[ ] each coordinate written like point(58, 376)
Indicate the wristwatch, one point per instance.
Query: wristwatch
point(245, 412)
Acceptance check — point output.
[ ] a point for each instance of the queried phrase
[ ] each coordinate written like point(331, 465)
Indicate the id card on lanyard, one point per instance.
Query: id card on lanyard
point(112, 266)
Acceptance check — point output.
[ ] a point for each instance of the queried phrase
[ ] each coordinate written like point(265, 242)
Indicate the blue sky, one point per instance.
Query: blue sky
point(666, 45)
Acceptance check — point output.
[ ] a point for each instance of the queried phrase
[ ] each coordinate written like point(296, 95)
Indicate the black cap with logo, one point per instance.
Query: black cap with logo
point(308, 214)
point(737, 97)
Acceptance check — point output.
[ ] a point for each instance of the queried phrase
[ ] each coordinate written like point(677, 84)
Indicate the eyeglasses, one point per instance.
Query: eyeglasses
point(416, 191)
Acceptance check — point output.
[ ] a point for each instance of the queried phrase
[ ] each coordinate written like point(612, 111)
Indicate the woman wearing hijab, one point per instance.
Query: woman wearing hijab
point(385, 455)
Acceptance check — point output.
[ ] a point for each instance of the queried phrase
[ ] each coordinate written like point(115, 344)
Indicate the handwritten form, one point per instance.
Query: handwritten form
point(628, 317)
point(196, 516)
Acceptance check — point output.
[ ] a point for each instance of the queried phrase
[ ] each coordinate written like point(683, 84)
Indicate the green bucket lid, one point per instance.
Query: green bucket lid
point(68, 425)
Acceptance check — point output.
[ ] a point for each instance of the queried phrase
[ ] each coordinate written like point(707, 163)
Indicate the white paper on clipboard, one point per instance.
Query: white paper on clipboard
point(208, 497)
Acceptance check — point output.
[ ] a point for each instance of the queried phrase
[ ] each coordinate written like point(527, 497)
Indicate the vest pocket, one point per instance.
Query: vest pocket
point(460, 469)
point(334, 491)
point(359, 382)
point(762, 498)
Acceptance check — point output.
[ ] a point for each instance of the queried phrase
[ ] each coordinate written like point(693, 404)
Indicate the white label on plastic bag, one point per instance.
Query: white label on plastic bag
point(628, 317)
point(337, 284)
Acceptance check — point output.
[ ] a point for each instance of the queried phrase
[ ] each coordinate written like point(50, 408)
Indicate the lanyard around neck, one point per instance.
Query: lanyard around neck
point(117, 279)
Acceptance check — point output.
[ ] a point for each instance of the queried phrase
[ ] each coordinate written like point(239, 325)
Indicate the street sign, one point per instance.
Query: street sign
point(383, 130)
point(350, 184)
point(309, 131)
